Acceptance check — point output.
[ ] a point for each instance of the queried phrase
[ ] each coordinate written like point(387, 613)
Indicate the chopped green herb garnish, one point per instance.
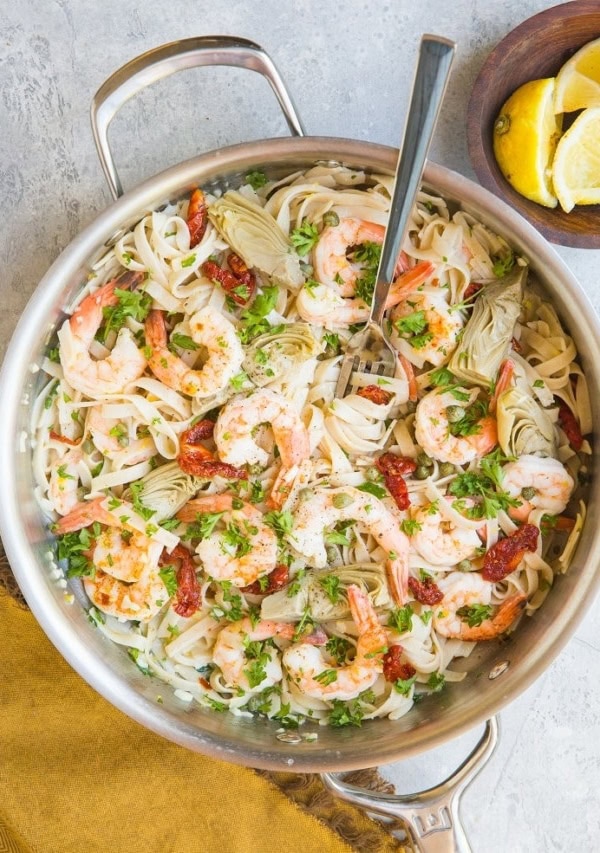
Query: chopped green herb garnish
point(474, 614)
point(304, 238)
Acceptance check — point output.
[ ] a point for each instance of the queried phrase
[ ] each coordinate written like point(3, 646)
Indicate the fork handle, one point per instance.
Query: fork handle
point(433, 70)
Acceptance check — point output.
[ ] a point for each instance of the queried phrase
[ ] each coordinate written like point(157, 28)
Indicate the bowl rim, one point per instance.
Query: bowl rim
point(482, 161)
point(32, 575)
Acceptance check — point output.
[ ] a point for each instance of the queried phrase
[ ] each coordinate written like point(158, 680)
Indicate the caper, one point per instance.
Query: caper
point(332, 553)
point(464, 566)
point(307, 269)
point(372, 475)
point(455, 414)
point(411, 407)
point(342, 500)
point(421, 473)
point(528, 493)
point(446, 469)
point(424, 460)
point(331, 218)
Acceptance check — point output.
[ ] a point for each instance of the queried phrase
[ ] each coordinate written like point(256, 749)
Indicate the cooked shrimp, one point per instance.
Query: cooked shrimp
point(63, 482)
point(82, 515)
point(242, 553)
point(111, 438)
point(320, 303)
point(124, 364)
point(126, 581)
point(330, 256)
point(236, 444)
point(439, 541)
point(437, 329)
point(119, 551)
point(432, 429)
point(539, 483)
point(464, 593)
point(231, 653)
point(326, 507)
point(209, 329)
point(315, 677)
point(125, 557)
point(140, 600)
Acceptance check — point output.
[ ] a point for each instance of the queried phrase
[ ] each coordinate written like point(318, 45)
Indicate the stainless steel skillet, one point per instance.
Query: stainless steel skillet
point(498, 672)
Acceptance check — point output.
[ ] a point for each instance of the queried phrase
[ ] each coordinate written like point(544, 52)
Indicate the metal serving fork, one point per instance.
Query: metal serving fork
point(369, 351)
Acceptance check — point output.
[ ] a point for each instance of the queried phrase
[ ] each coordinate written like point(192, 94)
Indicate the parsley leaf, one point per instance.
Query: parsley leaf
point(474, 614)
point(373, 489)
point(168, 576)
point(331, 585)
point(401, 619)
point(304, 238)
point(411, 324)
point(256, 179)
point(135, 304)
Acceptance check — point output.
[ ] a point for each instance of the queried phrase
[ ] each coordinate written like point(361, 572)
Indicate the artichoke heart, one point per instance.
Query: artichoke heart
point(256, 237)
point(485, 342)
point(271, 356)
point(165, 490)
point(312, 593)
point(524, 427)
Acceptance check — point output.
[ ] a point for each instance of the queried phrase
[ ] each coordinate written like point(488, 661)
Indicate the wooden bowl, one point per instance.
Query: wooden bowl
point(535, 49)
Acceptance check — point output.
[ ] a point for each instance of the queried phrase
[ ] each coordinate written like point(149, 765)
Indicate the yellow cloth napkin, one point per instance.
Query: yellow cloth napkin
point(78, 776)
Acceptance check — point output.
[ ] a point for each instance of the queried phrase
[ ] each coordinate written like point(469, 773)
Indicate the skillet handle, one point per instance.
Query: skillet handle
point(165, 60)
point(432, 816)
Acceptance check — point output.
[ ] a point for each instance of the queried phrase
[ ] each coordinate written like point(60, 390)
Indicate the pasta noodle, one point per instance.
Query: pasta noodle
point(259, 545)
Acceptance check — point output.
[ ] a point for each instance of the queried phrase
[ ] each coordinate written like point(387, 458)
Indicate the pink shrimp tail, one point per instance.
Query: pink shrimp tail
point(409, 281)
point(82, 515)
point(410, 377)
point(505, 376)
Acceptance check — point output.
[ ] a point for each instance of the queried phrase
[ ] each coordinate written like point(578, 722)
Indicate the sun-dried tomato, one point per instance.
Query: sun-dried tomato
point(515, 345)
point(569, 425)
point(188, 595)
point(393, 666)
point(199, 461)
point(375, 394)
point(394, 469)
point(426, 591)
point(197, 217)
point(504, 557)
point(473, 288)
point(239, 287)
point(63, 438)
point(275, 580)
point(204, 683)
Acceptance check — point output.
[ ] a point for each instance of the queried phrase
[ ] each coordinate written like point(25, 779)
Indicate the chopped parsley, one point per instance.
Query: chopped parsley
point(256, 179)
point(136, 490)
point(412, 324)
point(338, 648)
point(410, 526)
point(503, 264)
point(485, 487)
point(328, 676)
point(71, 547)
point(373, 489)
point(182, 342)
point(253, 318)
point(304, 238)
point(135, 304)
point(401, 619)
point(331, 585)
point(474, 614)
point(367, 254)
point(346, 713)
point(168, 575)
point(436, 681)
point(281, 522)
point(403, 685)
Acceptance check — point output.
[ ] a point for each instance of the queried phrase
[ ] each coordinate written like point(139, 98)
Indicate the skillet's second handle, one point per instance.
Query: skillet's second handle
point(165, 60)
point(432, 816)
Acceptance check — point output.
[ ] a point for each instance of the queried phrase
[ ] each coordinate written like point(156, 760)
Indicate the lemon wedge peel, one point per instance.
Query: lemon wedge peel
point(576, 167)
point(526, 133)
point(578, 81)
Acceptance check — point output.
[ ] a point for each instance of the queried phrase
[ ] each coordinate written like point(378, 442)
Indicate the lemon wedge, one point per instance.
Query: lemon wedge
point(576, 167)
point(525, 137)
point(578, 81)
